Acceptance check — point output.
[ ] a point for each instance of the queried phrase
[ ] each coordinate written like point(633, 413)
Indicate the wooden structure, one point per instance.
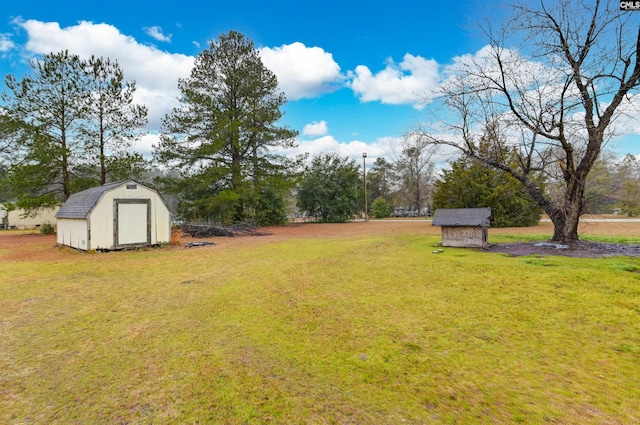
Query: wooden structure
point(116, 215)
point(463, 227)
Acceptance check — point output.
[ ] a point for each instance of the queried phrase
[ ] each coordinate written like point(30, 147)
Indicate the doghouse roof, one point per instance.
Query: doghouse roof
point(477, 217)
point(80, 204)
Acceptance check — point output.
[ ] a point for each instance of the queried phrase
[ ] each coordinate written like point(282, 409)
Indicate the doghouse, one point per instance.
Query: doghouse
point(116, 215)
point(463, 227)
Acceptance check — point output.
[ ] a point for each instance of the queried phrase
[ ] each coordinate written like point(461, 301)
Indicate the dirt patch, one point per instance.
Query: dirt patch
point(581, 249)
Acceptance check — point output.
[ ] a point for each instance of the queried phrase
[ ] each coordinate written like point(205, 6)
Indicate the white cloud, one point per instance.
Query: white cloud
point(315, 129)
point(158, 103)
point(353, 149)
point(144, 145)
point(476, 70)
point(156, 32)
point(409, 82)
point(303, 72)
point(5, 43)
point(627, 122)
point(156, 72)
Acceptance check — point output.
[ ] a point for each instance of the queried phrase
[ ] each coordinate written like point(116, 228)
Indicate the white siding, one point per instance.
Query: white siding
point(73, 233)
point(45, 216)
point(97, 231)
point(160, 221)
point(102, 217)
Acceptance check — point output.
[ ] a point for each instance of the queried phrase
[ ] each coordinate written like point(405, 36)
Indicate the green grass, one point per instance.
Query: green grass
point(507, 238)
point(614, 239)
point(366, 330)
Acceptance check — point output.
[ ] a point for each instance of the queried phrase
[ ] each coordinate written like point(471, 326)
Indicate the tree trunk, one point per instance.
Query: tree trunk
point(103, 166)
point(565, 226)
point(66, 178)
point(566, 218)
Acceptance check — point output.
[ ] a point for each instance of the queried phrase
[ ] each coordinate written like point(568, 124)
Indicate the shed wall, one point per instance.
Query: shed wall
point(101, 218)
point(464, 236)
point(160, 220)
point(73, 233)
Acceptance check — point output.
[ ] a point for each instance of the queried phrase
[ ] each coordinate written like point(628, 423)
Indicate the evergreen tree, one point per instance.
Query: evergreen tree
point(69, 123)
point(628, 193)
point(8, 136)
point(380, 208)
point(113, 119)
point(471, 184)
point(380, 180)
point(329, 189)
point(221, 135)
point(49, 106)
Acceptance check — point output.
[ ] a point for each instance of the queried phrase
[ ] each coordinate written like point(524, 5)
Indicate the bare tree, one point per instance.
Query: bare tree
point(415, 170)
point(548, 87)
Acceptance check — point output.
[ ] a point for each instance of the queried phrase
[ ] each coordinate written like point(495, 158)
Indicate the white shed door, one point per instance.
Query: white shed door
point(133, 225)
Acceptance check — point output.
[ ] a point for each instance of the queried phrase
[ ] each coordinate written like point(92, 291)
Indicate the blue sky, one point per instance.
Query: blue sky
point(355, 72)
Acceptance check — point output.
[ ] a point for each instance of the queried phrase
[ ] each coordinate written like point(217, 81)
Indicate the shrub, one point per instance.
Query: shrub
point(380, 208)
point(47, 229)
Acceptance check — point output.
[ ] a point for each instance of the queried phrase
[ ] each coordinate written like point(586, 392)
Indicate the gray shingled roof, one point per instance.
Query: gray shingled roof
point(479, 217)
point(80, 204)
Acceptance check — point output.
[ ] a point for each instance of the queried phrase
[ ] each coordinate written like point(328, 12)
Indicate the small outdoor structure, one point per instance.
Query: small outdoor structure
point(463, 227)
point(116, 215)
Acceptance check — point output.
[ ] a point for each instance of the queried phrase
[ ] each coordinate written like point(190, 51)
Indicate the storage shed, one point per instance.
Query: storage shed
point(463, 227)
point(116, 215)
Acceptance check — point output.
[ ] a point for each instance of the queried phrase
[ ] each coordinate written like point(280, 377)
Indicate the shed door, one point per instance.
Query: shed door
point(132, 222)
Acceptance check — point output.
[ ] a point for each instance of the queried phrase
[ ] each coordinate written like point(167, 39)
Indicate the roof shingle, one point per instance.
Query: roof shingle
point(80, 204)
point(479, 217)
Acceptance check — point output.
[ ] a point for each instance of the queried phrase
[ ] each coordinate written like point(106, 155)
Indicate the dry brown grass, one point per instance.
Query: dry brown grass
point(30, 245)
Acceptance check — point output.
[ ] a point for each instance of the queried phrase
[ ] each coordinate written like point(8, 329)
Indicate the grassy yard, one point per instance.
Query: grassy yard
point(364, 329)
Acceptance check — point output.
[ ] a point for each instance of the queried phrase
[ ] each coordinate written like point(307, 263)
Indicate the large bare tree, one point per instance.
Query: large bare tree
point(415, 171)
point(548, 87)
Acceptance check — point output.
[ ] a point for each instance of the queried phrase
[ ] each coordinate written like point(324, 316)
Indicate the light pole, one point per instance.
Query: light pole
point(364, 171)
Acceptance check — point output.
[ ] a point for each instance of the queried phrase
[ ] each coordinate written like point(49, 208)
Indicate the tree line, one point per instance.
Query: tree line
point(67, 126)
point(70, 125)
point(526, 121)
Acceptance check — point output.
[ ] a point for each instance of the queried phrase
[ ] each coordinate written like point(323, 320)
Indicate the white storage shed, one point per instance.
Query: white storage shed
point(116, 215)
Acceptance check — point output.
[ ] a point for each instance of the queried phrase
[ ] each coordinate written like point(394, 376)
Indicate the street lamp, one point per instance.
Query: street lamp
point(364, 170)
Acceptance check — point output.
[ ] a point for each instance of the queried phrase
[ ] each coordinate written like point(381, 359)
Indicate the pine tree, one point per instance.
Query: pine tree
point(66, 120)
point(50, 106)
point(114, 120)
point(221, 134)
